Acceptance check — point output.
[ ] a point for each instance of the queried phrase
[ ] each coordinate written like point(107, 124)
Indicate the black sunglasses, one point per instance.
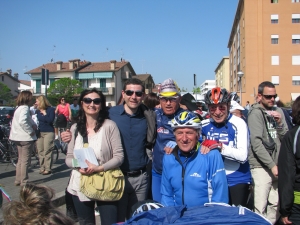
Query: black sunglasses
point(96, 101)
point(137, 93)
point(270, 96)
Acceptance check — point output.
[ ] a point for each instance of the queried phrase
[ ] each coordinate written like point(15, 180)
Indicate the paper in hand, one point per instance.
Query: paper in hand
point(85, 154)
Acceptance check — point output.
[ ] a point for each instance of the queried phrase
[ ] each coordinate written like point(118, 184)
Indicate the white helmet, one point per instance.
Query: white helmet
point(186, 120)
point(147, 207)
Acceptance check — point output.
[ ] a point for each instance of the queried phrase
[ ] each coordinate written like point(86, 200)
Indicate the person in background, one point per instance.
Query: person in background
point(151, 100)
point(62, 108)
point(45, 115)
point(33, 109)
point(247, 105)
point(237, 110)
point(74, 109)
point(265, 119)
point(189, 177)
point(289, 171)
point(188, 102)
point(104, 138)
point(34, 207)
point(23, 134)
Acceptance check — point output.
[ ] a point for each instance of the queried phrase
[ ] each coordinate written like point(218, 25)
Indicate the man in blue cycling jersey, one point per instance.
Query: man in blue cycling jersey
point(189, 177)
point(230, 134)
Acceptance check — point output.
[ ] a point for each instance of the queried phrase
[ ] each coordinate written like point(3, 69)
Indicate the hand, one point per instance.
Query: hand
point(169, 147)
point(208, 145)
point(92, 168)
point(66, 136)
point(275, 171)
point(285, 220)
point(276, 116)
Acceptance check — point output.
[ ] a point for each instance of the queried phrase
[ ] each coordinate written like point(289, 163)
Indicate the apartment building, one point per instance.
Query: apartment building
point(222, 73)
point(206, 86)
point(264, 45)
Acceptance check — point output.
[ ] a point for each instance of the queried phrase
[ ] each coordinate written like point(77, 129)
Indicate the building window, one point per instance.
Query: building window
point(275, 60)
point(38, 86)
point(275, 80)
point(296, 39)
point(274, 18)
point(274, 1)
point(295, 18)
point(274, 39)
point(296, 60)
point(295, 80)
point(294, 1)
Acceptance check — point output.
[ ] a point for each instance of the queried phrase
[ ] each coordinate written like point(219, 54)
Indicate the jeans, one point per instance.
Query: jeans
point(136, 189)
point(86, 211)
point(45, 147)
point(24, 156)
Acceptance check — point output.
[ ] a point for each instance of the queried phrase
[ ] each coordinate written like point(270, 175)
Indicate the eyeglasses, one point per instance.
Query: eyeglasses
point(62, 99)
point(166, 99)
point(96, 101)
point(270, 96)
point(137, 93)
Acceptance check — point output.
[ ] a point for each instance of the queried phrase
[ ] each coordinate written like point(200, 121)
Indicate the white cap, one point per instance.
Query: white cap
point(234, 105)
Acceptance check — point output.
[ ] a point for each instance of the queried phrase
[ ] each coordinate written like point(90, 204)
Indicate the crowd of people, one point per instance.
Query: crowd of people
point(172, 151)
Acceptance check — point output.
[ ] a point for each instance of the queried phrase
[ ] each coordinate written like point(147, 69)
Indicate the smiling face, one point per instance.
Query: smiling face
point(132, 100)
point(218, 112)
point(91, 109)
point(186, 138)
point(169, 104)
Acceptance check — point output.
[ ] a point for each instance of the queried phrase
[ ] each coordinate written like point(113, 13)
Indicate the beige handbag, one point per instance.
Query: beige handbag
point(103, 186)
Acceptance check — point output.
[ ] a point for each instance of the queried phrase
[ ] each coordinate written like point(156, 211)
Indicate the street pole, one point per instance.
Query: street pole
point(195, 84)
point(240, 75)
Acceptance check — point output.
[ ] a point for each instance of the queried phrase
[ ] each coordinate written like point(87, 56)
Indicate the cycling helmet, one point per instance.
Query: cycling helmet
point(234, 97)
point(147, 206)
point(186, 119)
point(217, 95)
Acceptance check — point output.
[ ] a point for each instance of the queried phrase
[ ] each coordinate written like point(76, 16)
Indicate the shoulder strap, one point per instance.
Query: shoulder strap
point(265, 122)
point(295, 139)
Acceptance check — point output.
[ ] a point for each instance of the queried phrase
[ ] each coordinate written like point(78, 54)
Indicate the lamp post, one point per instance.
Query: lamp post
point(240, 75)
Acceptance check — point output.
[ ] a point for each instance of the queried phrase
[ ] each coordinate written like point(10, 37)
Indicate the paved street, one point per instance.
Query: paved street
point(58, 180)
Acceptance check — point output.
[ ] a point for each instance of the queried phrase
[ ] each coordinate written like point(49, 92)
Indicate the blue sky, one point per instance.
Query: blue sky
point(164, 38)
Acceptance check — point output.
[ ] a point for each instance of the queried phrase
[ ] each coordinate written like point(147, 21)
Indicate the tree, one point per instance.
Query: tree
point(197, 90)
point(5, 92)
point(64, 87)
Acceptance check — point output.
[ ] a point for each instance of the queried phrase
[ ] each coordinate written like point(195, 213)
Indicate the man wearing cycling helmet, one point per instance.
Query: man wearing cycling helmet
point(194, 178)
point(169, 98)
point(230, 134)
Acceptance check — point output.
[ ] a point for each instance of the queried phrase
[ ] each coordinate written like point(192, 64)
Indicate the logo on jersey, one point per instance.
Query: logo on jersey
point(195, 175)
point(162, 130)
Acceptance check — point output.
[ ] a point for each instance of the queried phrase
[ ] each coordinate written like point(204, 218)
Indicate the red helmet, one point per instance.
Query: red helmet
point(216, 96)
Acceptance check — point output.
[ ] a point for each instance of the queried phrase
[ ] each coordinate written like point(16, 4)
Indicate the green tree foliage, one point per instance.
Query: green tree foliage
point(5, 93)
point(196, 90)
point(64, 87)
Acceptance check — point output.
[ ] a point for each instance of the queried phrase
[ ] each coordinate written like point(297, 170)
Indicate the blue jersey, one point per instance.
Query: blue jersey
point(235, 138)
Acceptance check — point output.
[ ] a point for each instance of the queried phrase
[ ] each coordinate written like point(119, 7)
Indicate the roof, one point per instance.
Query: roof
point(52, 67)
point(103, 66)
point(6, 73)
point(26, 82)
point(143, 77)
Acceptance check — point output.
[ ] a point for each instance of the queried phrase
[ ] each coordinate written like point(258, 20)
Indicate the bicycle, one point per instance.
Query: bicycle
point(8, 149)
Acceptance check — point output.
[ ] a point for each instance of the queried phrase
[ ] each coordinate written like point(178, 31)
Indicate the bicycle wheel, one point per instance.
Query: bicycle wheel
point(13, 152)
point(54, 155)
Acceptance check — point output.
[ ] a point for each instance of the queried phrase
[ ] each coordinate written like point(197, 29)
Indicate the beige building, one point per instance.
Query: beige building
point(264, 45)
point(222, 73)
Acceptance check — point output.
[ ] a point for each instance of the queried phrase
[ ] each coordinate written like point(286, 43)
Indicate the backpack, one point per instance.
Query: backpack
point(61, 121)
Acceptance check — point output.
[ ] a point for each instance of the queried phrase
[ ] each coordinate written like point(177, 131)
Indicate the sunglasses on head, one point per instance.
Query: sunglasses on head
point(269, 96)
point(137, 93)
point(166, 99)
point(96, 101)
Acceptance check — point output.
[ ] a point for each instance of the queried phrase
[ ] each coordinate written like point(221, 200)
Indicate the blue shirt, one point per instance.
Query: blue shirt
point(133, 131)
point(46, 121)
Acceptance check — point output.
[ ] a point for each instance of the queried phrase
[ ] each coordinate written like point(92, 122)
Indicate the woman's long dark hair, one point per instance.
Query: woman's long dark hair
point(81, 119)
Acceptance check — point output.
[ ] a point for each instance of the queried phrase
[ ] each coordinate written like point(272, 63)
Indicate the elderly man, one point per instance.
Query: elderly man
point(169, 98)
point(195, 178)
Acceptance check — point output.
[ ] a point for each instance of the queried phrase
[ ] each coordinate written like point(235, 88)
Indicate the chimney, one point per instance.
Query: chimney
point(16, 75)
point(113, 64)
point(71, 64)
point(9, 71)
point(59, 65)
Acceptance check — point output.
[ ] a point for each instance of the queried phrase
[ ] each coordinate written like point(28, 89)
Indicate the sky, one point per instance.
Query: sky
point(165, 38)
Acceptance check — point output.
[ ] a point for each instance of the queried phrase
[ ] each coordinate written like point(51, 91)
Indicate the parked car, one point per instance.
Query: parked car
point(6, 114)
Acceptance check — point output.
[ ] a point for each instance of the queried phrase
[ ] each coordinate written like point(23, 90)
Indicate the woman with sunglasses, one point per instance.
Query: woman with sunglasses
point(62, 108)
point(104, 138)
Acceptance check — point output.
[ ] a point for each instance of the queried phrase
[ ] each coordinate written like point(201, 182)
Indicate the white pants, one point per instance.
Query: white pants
point(265, 193)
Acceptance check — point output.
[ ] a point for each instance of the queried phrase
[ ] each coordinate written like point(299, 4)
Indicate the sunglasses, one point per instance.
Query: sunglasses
point(96, 101)
point(62, 99)
point(270, 96)
point(137, 93)
point(166, 99)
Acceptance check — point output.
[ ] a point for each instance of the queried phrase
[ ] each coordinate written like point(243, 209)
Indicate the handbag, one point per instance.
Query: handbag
point(269, 145)
point(104, 186)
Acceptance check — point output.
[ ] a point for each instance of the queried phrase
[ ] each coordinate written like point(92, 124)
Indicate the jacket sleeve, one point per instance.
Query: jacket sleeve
point(286, 175)
point(281, 131)
point(256, 126)
point(25, 120)
point(166, 191)
point(217, 177)
point(240, 151)
point(114, 139)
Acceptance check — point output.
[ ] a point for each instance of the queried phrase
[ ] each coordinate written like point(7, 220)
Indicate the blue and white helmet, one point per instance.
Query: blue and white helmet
point(186, 120)
point(147, 207)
